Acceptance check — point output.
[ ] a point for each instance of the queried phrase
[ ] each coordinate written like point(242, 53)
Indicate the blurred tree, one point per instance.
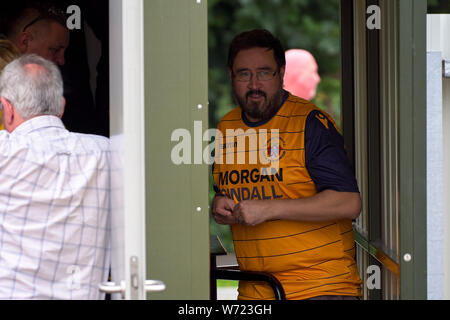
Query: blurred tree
point(303, 24)
point(438, 6)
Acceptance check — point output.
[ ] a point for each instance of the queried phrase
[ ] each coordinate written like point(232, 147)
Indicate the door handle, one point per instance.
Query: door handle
point(112, 287)
point(149, 286)
point(154, 286)
point(135, 283)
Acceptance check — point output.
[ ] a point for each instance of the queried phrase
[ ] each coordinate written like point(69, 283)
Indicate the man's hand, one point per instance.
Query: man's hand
point(327, 205)
point(222, 210)
point(252, 212)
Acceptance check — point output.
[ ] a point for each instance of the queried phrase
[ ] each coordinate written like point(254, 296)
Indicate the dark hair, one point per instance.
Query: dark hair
point(258, 38)
point(47, 11)
point(21, 14)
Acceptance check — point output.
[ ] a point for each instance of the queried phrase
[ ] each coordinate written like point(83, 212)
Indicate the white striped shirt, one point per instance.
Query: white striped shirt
point(54, 212)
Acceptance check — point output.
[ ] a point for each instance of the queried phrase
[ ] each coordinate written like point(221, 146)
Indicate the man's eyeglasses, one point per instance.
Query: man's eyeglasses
point(245, 75)
point(32, 22)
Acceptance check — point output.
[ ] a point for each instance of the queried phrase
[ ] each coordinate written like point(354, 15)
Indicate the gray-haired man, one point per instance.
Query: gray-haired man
point(54, 192)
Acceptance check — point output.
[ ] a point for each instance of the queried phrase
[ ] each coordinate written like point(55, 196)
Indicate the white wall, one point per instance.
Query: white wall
point(438, 158)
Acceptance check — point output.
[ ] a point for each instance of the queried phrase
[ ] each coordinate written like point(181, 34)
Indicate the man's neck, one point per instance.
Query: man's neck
point(251, 119)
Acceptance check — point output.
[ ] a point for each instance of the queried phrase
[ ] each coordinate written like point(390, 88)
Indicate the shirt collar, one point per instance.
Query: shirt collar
point(37, 123)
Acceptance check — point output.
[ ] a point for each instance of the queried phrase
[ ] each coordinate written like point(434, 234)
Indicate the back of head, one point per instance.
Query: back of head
point(301, 76)
point(8, 52)
point(31, 12)
point(33, 85)
point(258, 38)
point(299, 58)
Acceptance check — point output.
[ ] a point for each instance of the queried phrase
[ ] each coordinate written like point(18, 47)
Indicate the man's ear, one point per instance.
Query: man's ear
point(282, 71)
point(63, 108)
point(230, 73)
point(8, 112)
point(23, 41)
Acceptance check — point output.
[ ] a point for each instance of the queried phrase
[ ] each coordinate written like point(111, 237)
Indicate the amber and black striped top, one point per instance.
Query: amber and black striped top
point(298, 153)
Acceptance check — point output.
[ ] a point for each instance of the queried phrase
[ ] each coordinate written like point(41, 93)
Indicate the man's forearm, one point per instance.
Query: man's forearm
point(325, 206)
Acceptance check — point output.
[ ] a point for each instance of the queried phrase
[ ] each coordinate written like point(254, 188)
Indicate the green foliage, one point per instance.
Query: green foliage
point(227, 284)
point(305, 24)
point(438, 6)
point(312, 25)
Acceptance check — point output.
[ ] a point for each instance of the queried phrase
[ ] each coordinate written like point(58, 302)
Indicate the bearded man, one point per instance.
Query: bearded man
point(295, 223)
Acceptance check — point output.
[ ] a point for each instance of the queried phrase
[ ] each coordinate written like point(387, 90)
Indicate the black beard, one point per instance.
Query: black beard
point(252, 109)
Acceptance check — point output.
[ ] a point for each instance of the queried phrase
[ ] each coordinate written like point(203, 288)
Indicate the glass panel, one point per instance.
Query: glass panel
point(361, 113)
point(389, 136)
point(308, 25)
point(362, 259)
point(390, 285)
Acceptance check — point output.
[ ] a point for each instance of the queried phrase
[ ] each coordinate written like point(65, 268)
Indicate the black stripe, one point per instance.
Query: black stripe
point(253, 298)
point(288, 254)
point(322, 285)
point(305, 182)
point(273, 297)
point(258, 150)
point(291, 116)
point(349, 294)
point(338, 275)
point(240, 151)
point(299, 102)
point(352, 248)
point(231, 120)
point(291, 293)
point(255, 133)
point(291, 167)
point(318, 264)
point(281, 237)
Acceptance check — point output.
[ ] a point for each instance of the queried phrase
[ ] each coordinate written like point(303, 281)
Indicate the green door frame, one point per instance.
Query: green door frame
point(413, 142)
point(176, 95)
point(410, 90)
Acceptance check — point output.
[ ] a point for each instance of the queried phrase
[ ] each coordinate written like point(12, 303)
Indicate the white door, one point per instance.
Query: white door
point(128, 278)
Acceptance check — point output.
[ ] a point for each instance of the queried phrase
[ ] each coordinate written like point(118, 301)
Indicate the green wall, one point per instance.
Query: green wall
point(176, 74)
